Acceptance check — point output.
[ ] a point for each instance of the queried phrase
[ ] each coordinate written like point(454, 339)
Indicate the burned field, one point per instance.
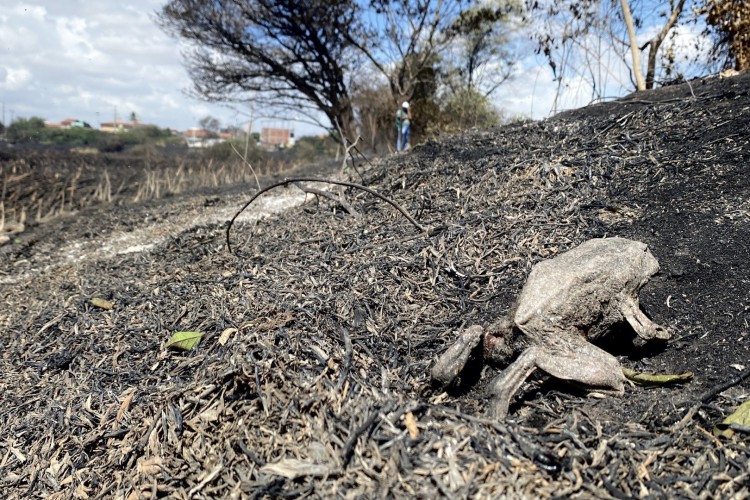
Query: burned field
point(312, 376)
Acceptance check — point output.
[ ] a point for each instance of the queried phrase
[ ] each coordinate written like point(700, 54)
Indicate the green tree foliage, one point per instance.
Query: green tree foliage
point(402, 39)
point(375, 115)
point(26, 129)
point(74, 137)
point(33, 130)
point(480, 58)
point(228, 151)
point(313, 149)
point(146, 135)
point(463, 110)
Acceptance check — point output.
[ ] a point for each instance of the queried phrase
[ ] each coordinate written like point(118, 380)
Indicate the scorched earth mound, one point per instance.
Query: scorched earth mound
point(312, 375)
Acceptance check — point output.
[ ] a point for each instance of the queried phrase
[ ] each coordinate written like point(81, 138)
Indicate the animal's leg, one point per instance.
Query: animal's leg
point(644, 327)
point(579, 362)
point(584, 363)
point(507, 383)
point(451, 362)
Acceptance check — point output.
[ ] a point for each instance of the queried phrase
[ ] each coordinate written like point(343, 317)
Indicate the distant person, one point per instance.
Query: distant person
point(403, 124)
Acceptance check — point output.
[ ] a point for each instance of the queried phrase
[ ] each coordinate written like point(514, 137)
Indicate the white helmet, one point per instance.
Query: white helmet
point(405, 105)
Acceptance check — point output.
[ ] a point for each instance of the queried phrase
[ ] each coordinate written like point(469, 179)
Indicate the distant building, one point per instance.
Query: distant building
point(276, 137)
point(68, 123)
point(120, 126)
point(201, 138)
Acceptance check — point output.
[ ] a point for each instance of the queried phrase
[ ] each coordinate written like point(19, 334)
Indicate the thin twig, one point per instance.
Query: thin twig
point(333, 197)
point(710, 394)
point(351, 443)
point(292, 180)
point(244, 159)
point(348, 354)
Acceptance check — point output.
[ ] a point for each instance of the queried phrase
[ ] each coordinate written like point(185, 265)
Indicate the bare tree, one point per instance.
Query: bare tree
point(313, 56)
point(291, 54)
point(402, 40)
point(676, 8)
point(640, 84)
point(374, 104)
point(582, 36)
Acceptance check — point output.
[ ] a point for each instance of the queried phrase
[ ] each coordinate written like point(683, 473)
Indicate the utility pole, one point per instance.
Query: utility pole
point(249, 135)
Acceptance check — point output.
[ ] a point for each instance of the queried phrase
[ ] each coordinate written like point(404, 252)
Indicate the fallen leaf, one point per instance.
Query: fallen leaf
point(149, 466)
point(291, 468)
point(224, 337)
point(102, 303)
point(125, 405)
point(741, 416)
point(411, 425)
point(656, 379)
point(81, 491)
point(19, 455)
point(184, 340)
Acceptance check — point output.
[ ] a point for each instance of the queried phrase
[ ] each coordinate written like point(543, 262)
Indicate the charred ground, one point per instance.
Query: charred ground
point(323, 388)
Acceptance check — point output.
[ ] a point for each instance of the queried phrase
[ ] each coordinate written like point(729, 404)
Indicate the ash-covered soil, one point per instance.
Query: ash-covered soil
point(312, 375)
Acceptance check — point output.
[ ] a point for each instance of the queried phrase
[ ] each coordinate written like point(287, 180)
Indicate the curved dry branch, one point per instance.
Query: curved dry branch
point(292, 180)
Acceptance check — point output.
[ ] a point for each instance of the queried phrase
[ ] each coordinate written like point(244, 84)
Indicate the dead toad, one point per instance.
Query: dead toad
point(567, 302)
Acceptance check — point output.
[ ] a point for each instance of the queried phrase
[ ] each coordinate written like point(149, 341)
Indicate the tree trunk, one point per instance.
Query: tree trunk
point(343, 118)
point(634, 50)
point(655, 43)
point(653, 49)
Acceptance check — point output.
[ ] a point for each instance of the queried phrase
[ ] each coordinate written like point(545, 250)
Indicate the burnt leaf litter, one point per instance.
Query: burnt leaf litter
point(312, 376)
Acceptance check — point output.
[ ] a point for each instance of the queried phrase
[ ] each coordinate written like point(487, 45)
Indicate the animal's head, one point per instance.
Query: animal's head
point(500, 341)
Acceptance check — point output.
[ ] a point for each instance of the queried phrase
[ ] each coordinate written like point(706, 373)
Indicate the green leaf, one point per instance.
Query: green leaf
point(656, 379)
point(184, 340)
point(741, 416)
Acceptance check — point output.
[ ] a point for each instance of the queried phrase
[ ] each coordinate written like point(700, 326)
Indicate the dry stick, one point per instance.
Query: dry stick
point(332, 197)
point(347, 149)
point(244, 159)
point(709, 395)
point(348, 354)
point(292, 180)
point(2, 200)
point(367, 426)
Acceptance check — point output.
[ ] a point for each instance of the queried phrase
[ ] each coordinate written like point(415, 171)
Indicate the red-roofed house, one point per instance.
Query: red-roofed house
point(68, 123)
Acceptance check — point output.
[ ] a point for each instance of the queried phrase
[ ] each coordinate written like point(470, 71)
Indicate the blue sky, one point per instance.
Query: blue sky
point(92, 59)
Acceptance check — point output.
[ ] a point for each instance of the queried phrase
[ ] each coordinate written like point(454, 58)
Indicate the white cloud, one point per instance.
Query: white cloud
point(88, 60)
point(534, 93)
point(14, 78)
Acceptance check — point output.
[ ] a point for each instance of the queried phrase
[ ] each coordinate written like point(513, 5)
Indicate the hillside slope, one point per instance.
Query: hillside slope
point(312, 376)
